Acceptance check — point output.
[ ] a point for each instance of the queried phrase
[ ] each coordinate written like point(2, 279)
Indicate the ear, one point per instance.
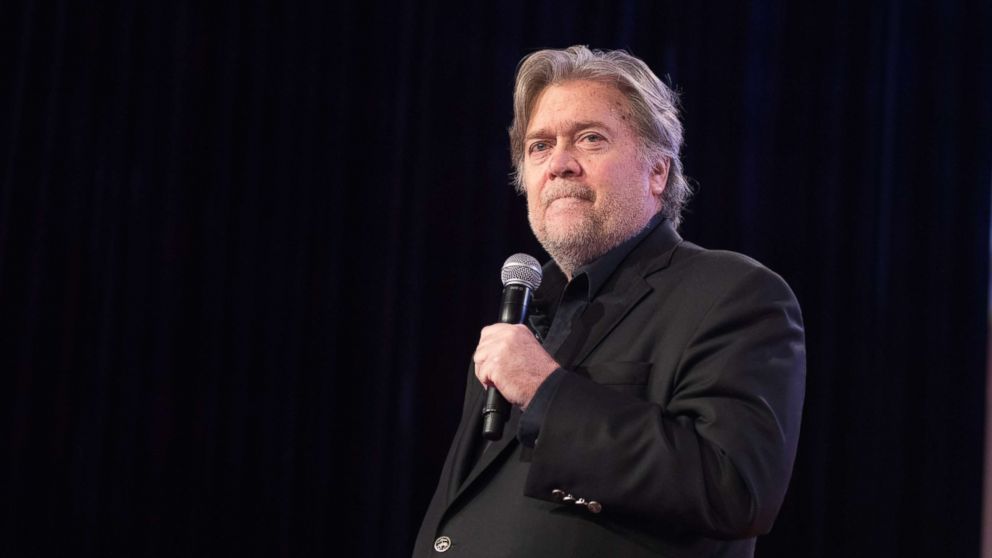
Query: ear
point(659, 176)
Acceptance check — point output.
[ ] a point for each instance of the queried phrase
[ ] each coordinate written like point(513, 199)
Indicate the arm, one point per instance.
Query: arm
point(715, 456)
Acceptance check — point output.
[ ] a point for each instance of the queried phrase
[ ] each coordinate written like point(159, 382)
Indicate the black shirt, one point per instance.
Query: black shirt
point(558, 303)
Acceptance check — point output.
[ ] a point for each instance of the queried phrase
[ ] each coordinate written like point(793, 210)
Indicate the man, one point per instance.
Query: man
point(658, 386)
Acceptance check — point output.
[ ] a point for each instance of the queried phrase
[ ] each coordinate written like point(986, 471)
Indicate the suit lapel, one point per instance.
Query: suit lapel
point(490, 454)
point(600, 317)
point(624, 290)
point(465, 441)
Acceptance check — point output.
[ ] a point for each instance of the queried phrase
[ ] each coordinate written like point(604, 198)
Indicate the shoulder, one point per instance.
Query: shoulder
point(694, 258)
point(714, 273)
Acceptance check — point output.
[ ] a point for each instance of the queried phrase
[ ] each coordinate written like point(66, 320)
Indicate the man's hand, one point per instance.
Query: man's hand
point(510, 358)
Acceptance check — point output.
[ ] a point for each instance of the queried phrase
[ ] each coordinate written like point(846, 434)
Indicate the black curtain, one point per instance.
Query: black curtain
point(246, 249)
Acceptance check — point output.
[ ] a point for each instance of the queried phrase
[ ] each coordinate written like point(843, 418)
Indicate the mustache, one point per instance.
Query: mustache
point(567, 190)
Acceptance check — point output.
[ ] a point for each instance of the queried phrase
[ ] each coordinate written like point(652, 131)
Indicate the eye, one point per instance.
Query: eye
point(593, 137)
point(538, 146)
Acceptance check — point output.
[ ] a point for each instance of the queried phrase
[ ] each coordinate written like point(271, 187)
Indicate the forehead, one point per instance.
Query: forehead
point(579, 101)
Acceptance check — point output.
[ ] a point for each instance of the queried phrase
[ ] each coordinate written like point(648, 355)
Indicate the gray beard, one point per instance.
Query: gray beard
point(583, 246)
point(594, 236)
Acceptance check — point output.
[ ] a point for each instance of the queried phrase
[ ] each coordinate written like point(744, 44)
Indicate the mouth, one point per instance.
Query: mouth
point(568, 200)
point(569, 193)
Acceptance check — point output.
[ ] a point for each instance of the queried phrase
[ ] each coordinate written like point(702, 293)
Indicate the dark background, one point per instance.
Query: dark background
point(246, 249)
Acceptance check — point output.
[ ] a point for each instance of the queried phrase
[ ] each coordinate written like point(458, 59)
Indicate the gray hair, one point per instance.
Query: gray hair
point(653, 106)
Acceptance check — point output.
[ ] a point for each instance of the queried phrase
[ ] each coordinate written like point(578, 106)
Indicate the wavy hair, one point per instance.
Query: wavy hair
point(653, 105)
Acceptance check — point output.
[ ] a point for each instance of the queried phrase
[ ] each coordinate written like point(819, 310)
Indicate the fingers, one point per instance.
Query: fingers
point(497, 342)
point(482, 351)
point(503, 359)
point(499, 337)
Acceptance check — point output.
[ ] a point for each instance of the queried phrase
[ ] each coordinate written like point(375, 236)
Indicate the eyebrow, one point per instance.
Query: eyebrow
point(569, 127)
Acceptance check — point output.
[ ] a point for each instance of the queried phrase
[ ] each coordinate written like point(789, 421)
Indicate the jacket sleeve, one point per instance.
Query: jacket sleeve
point(715, 456)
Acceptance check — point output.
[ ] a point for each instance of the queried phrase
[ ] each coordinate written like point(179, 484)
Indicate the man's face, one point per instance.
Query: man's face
point(588, 187)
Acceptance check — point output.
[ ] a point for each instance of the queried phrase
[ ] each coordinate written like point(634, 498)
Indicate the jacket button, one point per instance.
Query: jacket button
point(594, 506)
point(442, 544)
point(568, 499)
point(580, 502)
point(557, 494)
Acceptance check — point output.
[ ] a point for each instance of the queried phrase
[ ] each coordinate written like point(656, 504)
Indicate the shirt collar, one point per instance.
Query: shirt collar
point(599, 270)
point(595, 273)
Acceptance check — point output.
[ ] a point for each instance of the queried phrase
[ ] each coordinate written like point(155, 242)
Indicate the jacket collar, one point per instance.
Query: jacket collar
point(623, 290)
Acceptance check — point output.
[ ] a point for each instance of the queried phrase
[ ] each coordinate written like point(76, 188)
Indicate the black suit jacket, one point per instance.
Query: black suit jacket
point(679, 417)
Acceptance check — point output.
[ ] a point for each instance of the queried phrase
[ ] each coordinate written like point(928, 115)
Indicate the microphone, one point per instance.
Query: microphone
point(521, 276)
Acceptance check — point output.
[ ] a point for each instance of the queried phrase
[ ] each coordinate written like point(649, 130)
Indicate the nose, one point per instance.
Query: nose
point(563, 164)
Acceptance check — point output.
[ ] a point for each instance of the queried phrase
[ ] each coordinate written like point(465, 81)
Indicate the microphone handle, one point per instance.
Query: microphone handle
point(495, 411)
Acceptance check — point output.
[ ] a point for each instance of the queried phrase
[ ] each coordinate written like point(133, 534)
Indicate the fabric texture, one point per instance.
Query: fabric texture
point(679, 416)
point(555, 325)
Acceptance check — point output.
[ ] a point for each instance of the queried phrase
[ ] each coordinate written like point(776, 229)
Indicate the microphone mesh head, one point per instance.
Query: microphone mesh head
point(521, 269)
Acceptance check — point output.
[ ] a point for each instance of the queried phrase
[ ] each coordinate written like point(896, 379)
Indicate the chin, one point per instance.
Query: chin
point(576, 244)
point(572, 232)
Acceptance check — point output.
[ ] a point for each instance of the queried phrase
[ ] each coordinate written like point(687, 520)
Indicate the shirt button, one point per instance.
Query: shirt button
point(594, 506)
point(442, 544)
